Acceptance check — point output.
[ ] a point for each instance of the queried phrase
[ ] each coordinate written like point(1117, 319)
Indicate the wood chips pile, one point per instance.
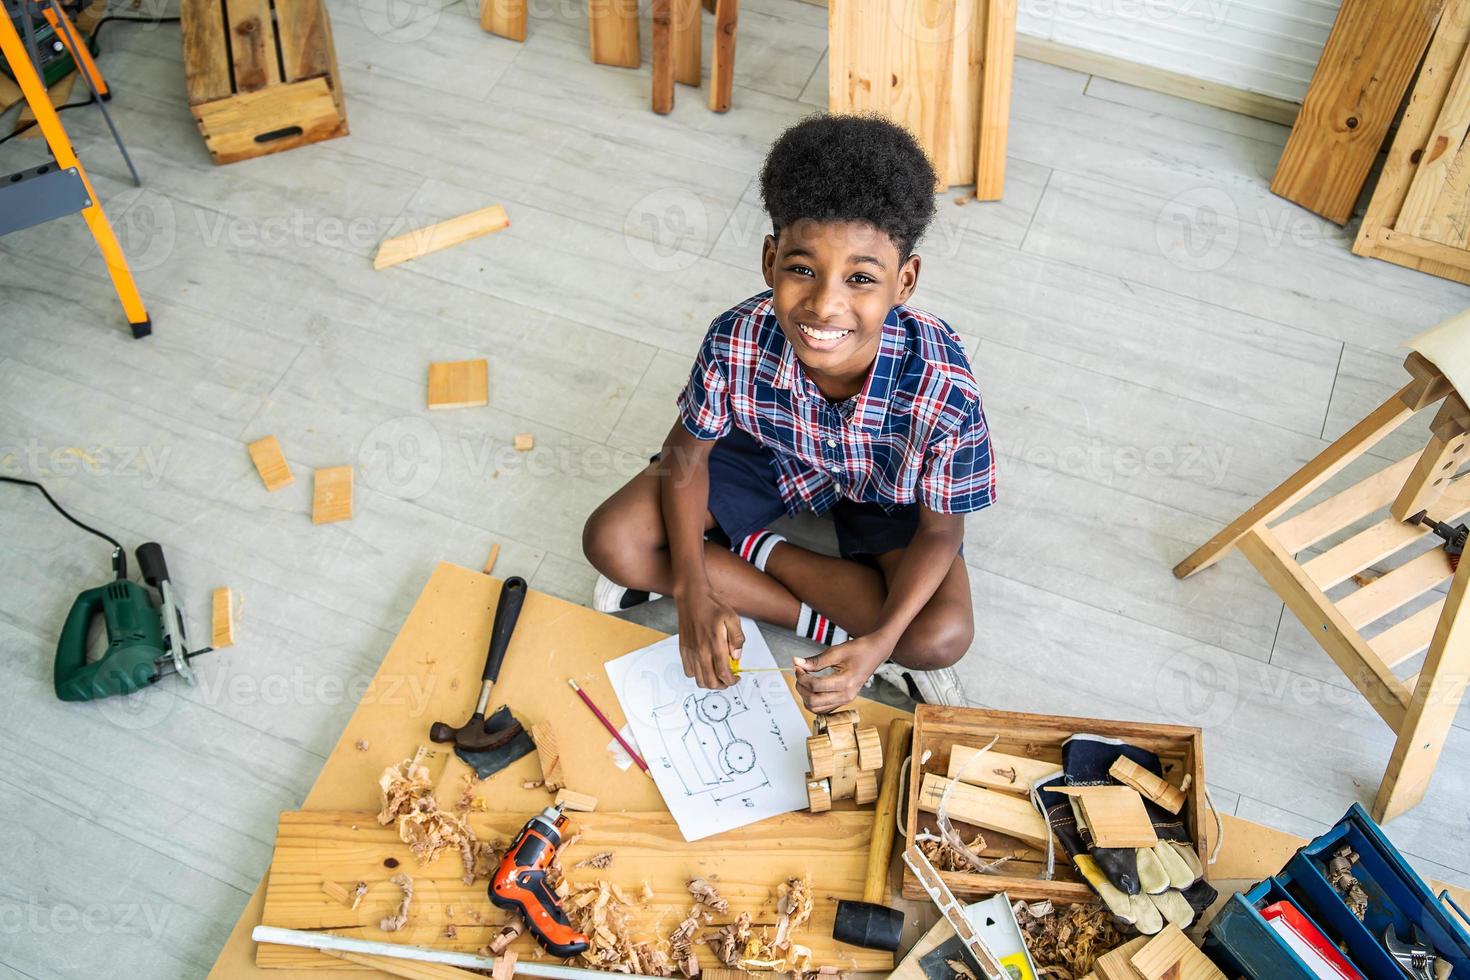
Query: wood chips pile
point(1064, 942)
point(408, 798)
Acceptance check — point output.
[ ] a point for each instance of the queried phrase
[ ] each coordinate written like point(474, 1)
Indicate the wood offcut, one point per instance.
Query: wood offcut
point(222, 619)
point(423, 241)
point(459, 384)
point(270, 463)
point(331, 497)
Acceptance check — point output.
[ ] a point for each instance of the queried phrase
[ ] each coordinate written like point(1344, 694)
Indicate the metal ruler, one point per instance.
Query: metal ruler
point(954, 912)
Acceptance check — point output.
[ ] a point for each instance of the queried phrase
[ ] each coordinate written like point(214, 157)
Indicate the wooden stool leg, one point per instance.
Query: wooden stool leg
point(1438, 462)
point(1425, 389)
point(663, 57)
point(688, 40)
point(504, 18)
point(722, 60)
point(1436, 697)
point(613, 29)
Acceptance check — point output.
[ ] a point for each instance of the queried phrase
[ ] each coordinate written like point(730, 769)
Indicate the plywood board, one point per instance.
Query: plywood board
point(748, 864)
point(459, 384)
point(1370, 57)
point(331, 496)
point(270, 463)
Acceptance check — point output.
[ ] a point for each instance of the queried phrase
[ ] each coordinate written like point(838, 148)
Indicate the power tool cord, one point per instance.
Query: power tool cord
point(119, 556)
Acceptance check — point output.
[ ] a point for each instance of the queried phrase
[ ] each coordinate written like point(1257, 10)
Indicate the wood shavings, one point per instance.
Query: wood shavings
point(732, 942)
point(946, 857)
point(533, 784)
point(705, 894)
point(508, 934)
point(395, 921)
point(599, 860)
point(408, 797)
point(361, 745)
point(467, 799)
point(1065, 941)
point(646, 895)
point(451, 931)
point(600, 912)
point(794, 902)
point(402, 787)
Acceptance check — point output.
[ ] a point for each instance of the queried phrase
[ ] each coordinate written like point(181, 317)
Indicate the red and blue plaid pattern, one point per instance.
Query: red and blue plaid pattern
point(916, 432)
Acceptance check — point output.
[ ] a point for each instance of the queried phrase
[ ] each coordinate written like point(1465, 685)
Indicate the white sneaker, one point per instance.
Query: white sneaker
point(940, 686)
point(610, 597)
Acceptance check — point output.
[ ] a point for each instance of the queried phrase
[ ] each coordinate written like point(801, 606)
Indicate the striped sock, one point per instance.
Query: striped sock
point(756, 548)
point(814, 626)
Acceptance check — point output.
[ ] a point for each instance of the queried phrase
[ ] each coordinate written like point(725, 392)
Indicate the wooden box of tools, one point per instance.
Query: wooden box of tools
point(1028, 747)
point(261, 75)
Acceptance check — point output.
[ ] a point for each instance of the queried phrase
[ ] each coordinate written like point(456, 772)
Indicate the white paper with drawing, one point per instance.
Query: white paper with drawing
point(722, 759)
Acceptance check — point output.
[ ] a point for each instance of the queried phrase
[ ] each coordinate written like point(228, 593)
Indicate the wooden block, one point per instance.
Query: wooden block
point(1115, 814)
point(464, 228)
point(1117, 964)
point(1152, 787)
point(490, 562)
point(504, 18)
point(1370, 56)
point(612, 27)
point(525, 442)
point(331, 498)
point(997, 770)
point(270, 463)
point(1171, 955)
point(984, 808)
point(578, 802)
point(459, 384)
point(549, 754)
point(223, 619)
point(337, 892)
point(505, 966)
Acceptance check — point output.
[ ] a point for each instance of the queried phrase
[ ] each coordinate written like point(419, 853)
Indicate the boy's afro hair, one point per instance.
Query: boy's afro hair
point(850, 168)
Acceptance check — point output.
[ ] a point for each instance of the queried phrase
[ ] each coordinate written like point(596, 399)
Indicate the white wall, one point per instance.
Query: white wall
point(1267, 46)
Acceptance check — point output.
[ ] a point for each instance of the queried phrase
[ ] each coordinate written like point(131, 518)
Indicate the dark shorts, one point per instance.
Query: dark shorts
point(744, 498)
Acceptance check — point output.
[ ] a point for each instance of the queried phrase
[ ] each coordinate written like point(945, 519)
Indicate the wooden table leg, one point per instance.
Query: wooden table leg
point(612, 27)
point(722, 61)
point(663, 57)
point(504, 18)
point(688, 39)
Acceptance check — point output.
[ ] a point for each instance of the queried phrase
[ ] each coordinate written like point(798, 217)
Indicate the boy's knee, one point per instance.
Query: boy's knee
point(602, 544)
point(937, 641)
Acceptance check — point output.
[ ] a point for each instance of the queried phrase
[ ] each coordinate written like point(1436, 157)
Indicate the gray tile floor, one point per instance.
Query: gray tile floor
point(1159, 340)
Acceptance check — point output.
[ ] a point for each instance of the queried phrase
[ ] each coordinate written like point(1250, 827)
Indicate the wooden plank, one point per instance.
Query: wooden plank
point(1361, 77)
point(1345, 507)
point(270, 463)
point(222, 619)
point(331, 496)
point(748, 864)
point(722, 55)
point(1417, 217)
point(1390, 591)
point(1114, 814)
point(966, 65)
point(1171, 955)
point(661, 15)
point(1332, 632)
point(985, 808)
point(1117, 964)
point(505, 18)
point(688, 40)
point(1408, 638)
point(254, 124)
point(998, 770)
point(408, 969)
point(995, 98)
point(207, 73)
point(1438, 690)
point(252, 45)
point(1435, 258)
point(1378, 541)
point(415, 244)
point(548, 753)
point(459, 384)
point(305, 51)
point(1148, 784)
point(613, 32)
point(1348, 447)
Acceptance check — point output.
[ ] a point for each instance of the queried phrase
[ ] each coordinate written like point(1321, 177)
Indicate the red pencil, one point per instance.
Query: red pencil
point(609, 726)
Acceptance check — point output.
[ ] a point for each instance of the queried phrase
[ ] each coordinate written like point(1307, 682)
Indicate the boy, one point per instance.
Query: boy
point(825, 393)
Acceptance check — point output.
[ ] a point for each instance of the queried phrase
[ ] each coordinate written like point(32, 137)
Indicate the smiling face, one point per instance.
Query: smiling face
point(833, 283)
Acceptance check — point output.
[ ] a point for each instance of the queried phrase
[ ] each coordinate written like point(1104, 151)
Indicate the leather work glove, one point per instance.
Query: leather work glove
point(1144, 887)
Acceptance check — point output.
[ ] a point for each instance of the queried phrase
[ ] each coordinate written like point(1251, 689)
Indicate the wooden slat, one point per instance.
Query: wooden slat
point(1450, 219)
point(998, 770)
point(1388, 592)
point(305, 52)
point(252, 45)
point(964, 101)
point(661, 15)
point(995, 99)
point(1375, 543)
point(422, 241)
point(1408, 638)
point(1344, 508)
point(1435, 258)
point(1332, 632)
point(1365, 68)
point(1347, 447)
point(722, 57)
point(207, 74)
point(612, 26)
point(1416, 217)
point(985, 808)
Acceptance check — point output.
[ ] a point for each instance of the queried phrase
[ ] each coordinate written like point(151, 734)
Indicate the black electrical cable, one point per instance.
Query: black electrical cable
point(119, 557)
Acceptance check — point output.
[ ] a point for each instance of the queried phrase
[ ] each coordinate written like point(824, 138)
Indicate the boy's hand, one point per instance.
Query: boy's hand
point(709, 638)
point(854, 661)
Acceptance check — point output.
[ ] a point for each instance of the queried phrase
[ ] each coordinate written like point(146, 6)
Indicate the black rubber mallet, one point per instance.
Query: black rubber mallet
point(869, 923)
point(488, 745)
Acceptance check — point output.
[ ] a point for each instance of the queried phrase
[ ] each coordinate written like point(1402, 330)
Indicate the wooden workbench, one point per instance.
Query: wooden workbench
point(431, 672)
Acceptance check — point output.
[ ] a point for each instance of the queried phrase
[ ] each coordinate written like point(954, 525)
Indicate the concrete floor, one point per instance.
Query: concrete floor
point(1159, 341)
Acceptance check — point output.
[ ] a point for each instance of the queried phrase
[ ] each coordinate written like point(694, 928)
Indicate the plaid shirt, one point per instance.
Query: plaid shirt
point(916, 432)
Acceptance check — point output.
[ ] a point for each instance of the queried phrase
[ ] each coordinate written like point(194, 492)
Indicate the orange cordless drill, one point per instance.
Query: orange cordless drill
point(520, 884)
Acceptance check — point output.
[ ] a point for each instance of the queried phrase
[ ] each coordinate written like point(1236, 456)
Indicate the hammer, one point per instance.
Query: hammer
point(869, 923)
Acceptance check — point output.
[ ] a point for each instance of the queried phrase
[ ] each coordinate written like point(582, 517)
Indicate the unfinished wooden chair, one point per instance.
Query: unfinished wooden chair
point(1422, 708)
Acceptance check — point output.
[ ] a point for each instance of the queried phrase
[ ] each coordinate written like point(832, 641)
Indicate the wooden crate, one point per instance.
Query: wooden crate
point(937, 729)
point(261, 75)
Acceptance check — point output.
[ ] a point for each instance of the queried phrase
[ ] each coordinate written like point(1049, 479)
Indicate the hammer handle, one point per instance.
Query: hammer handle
point(507, 611)
point(880, 845)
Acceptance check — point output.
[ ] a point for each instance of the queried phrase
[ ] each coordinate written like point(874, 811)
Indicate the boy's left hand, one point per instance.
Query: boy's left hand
point(854, 661)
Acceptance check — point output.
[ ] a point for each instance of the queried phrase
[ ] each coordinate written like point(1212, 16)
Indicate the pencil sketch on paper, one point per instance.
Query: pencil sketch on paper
point(721, 759)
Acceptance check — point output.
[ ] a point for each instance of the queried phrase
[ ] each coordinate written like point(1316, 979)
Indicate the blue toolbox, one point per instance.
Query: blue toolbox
point(1427, 933)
